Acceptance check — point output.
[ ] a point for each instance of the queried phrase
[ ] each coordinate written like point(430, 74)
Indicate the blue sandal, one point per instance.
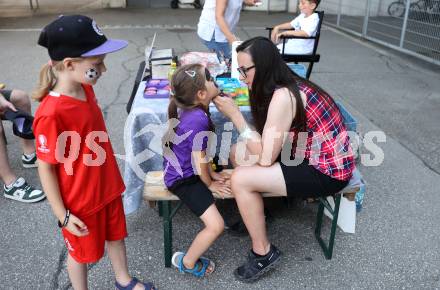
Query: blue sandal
point(132, 284)
point(177, 261)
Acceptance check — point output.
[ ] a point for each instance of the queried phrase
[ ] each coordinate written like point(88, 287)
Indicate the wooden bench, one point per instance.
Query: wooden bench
point(155, 191)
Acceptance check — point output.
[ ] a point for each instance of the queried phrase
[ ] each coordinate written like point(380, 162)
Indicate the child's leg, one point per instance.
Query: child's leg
point(77, 273)
point(6, 174)
point(214, 226)
point(118, 257)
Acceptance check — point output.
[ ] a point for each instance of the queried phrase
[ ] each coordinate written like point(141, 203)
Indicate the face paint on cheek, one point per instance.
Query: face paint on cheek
point(92, 74)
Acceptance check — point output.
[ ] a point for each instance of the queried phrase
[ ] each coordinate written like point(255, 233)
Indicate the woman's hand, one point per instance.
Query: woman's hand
point(76, 227)
point(227, 106)
point(220, 188)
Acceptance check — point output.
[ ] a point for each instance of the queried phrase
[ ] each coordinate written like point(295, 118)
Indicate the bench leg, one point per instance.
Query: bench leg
point(160, 208)
point(165, 209)
point(327, 249)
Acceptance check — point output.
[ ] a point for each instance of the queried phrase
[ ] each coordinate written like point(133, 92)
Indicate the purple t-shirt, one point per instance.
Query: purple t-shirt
point(178, 165)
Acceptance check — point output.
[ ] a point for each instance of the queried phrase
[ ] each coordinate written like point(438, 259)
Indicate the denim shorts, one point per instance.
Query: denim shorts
point(220, 48)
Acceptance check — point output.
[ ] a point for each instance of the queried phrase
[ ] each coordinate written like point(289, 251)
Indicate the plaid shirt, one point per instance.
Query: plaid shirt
point(327, 146)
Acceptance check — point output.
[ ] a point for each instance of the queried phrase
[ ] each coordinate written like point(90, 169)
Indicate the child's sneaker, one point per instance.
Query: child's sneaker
point(21, 191)
point(29, 160)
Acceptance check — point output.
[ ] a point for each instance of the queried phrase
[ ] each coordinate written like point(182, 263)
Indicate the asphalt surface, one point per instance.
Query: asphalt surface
point(397, 239)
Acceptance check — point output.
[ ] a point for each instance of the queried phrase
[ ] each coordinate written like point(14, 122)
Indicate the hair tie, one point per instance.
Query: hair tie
point(190, 73)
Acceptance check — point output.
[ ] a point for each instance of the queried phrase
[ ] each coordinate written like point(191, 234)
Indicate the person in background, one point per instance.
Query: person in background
point(16, 188)
point(305, 24)
point(217, 24)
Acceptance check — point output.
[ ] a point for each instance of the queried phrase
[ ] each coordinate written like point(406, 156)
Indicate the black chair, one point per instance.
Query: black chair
point(310, 58)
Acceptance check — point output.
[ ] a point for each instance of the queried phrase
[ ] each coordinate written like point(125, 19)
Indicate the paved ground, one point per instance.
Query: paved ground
point(397, 238)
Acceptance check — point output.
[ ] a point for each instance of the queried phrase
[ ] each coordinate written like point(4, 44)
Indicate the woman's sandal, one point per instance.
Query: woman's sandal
point(199, 269)
point(132, 284)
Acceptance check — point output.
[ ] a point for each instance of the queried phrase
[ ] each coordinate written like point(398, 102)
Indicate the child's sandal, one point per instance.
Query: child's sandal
point(177, 261)
point(132, 284)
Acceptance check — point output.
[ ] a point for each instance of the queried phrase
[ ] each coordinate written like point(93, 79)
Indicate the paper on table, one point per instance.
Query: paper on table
point(160, 71)
point(234, 63)
point(158, 54)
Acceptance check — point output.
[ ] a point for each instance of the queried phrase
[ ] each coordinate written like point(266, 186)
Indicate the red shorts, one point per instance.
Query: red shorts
point(108, 224)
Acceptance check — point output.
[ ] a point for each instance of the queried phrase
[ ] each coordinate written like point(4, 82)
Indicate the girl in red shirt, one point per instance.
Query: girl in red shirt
point(76, 163)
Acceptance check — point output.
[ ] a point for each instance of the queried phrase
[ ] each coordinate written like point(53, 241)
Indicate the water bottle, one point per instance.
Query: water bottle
point(171, 71)
point(359, 198)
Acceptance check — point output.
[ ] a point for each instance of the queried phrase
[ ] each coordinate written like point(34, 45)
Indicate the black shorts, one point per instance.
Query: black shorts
point(304, 181)
point(193, 193)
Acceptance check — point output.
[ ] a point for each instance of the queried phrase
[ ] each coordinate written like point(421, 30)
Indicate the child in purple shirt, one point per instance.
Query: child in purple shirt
point(187, 174)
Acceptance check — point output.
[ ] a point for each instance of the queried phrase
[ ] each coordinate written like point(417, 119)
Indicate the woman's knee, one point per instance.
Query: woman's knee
point(239, 180)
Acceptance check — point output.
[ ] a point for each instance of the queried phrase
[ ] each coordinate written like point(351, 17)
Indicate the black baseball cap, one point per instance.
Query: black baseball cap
point(76, 36)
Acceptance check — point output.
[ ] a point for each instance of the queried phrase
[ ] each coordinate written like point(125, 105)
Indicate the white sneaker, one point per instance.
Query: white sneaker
point(21, 191)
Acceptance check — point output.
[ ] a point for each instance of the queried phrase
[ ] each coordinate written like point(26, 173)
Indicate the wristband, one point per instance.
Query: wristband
point(66, 220)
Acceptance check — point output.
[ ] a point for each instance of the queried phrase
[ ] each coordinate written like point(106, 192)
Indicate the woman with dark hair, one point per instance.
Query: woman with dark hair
point(288, 112)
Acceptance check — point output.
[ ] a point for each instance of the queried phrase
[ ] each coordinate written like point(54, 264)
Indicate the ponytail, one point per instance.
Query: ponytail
point(47, 81)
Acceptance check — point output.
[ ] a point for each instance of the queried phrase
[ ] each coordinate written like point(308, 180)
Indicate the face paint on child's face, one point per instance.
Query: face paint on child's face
point(92, 74)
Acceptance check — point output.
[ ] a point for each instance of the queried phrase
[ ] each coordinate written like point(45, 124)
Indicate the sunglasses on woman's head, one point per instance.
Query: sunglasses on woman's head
point(243, 70)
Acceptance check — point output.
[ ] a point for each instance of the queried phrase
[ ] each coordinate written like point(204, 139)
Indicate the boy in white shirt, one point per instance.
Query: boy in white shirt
point(306, 24)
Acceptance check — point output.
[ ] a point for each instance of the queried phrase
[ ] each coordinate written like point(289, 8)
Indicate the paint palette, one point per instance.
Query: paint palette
point(157, 89)
point(235, 89)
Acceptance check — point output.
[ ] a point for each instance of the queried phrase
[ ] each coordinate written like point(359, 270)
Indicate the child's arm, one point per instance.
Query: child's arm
point(50, 185)
point(294, 33)
point(203, 170)
point(277, 28)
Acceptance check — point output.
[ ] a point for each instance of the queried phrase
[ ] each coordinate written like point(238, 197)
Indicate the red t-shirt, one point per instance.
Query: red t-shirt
point(71, 135)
